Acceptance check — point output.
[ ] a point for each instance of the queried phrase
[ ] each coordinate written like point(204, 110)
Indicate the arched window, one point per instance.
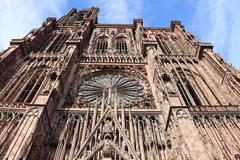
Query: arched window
point(183, 93)
point(186, 90)
point(163, 45)
point(32, 86)
point(121, 46)
point(102, 46)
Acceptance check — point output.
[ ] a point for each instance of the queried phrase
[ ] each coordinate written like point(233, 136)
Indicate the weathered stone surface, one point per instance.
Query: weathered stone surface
point(77, 89)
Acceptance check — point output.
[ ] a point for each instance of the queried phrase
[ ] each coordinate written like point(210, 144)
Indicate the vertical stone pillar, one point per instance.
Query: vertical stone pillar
point(151, 69)
point(191, 144)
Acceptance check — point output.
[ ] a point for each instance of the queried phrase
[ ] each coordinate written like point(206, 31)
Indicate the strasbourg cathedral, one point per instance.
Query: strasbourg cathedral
point(77, 89)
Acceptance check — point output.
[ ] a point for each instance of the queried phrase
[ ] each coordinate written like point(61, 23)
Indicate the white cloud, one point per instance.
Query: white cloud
point(218, 21)
point(19, 17)
point(118, 11)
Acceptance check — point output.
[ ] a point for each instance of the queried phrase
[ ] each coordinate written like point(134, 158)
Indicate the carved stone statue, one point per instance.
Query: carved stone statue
point(108, 127)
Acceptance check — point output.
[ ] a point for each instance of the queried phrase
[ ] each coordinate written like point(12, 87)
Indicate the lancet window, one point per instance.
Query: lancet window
point(187, 91)
point(163, 45)
point(170, 45)
point(121, 46)
point(55, 43)
point(102, 46)
point(31, 88)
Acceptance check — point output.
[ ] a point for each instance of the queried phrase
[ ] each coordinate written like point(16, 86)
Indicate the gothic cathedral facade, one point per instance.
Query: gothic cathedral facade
point(77, 89)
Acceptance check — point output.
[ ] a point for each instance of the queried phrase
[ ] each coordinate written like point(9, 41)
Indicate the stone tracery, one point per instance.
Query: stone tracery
point(77, 89)
point(115, 88)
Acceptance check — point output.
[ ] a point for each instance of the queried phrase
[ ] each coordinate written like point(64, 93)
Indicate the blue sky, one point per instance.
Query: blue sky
point(215, 21)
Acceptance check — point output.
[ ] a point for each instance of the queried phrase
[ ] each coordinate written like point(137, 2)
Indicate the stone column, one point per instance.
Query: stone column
point(191, 144)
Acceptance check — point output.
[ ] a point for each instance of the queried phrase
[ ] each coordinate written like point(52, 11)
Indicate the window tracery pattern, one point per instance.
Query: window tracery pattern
point(120, 42)
point(121, 46)
point(132, 84)
point(29, 83)
point(172, 44)
point(102, 46)
point(185, 88)
point(108, 136)
point(9, 121)
point(220, 133)
point(111, 88)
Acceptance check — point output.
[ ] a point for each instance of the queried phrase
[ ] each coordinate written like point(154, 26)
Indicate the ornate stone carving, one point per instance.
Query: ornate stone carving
point(79, 89)
point(182, 114)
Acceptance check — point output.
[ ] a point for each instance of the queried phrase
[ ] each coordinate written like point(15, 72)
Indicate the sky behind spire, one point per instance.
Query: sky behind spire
point(215, 21)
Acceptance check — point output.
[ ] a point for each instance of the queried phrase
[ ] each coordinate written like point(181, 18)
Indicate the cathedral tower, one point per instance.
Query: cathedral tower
point(77, 89)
